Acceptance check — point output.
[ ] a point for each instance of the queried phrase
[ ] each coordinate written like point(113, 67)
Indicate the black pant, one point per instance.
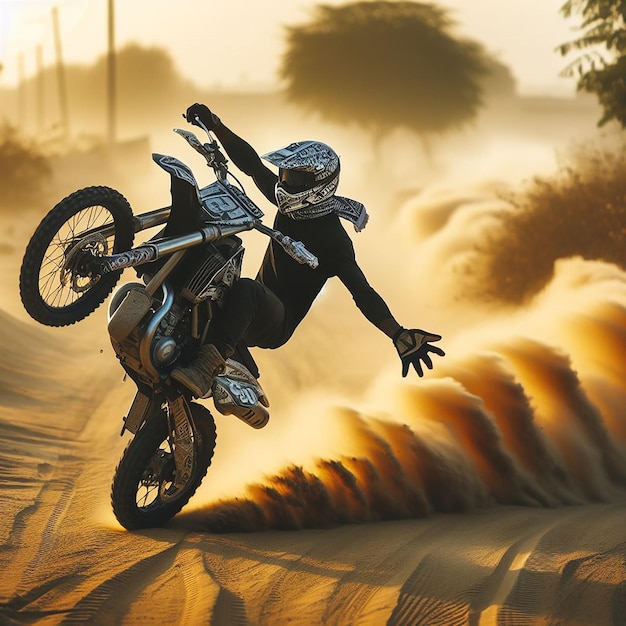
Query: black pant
point(252, 315)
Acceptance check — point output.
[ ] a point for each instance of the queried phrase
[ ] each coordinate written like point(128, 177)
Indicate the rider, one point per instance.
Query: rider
point(265, 312)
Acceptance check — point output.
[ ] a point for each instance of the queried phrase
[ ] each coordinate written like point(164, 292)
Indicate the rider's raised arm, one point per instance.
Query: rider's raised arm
point(241, 153)
point(246, 158)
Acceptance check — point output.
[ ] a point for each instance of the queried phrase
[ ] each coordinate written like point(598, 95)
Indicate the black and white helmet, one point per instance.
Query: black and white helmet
point(308, 175)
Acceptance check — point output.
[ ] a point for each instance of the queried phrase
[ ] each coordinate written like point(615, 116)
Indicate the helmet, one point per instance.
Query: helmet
point(308, 175)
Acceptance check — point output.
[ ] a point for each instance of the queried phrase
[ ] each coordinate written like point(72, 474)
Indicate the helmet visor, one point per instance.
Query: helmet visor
point(295, 181)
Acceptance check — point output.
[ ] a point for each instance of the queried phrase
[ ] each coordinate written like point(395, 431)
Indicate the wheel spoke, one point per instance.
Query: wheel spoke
point(144, 495)
point(52, 291)
point(158, 477)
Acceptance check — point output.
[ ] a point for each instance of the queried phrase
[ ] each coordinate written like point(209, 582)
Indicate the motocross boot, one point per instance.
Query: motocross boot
point(198, 376)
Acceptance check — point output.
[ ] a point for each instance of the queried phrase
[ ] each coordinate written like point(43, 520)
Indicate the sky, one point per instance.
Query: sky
point(238, 43)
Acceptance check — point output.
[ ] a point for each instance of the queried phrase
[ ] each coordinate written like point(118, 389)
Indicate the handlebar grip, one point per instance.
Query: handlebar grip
point(298, 251)
point(196, 121)
point(295, 249)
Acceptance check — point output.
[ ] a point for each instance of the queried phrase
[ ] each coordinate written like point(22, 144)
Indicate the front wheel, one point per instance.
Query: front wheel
point(57, 286)
point(143, 493)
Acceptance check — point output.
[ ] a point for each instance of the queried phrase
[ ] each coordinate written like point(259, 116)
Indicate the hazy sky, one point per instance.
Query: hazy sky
point(238, 42)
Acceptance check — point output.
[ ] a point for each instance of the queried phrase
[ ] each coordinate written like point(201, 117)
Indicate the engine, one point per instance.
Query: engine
point(217, 268)
point(150, 334)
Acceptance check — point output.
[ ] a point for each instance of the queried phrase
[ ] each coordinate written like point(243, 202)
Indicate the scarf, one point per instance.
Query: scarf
point(345, 208)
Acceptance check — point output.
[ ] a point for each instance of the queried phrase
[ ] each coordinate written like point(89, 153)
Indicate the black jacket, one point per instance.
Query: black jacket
point(294, 284)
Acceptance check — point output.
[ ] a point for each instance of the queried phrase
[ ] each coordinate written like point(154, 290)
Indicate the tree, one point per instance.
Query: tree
point(147, 81)
point(602, 74)
point(149, 88)
point(385, 65)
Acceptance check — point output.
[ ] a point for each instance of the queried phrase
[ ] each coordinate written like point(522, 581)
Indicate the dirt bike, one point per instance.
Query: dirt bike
point(73, 262)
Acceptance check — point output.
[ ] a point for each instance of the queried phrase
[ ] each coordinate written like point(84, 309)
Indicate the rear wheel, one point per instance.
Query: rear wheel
point(143, 494)
point(57, 286)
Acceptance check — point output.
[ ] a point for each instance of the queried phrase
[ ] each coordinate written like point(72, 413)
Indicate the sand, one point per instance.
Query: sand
point(469, 555)
point(66, 562)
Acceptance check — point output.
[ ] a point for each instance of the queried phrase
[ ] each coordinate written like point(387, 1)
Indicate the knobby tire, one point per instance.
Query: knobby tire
point(68, 304)
point(136, 460)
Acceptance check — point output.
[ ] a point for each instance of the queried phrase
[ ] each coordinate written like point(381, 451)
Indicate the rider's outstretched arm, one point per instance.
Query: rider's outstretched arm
point(412, 345)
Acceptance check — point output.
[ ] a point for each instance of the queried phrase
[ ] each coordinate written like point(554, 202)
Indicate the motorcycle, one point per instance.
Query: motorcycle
point(74, 261)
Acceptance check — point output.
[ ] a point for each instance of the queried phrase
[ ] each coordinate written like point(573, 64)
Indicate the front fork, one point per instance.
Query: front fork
point(180, 422)
point(184, 438)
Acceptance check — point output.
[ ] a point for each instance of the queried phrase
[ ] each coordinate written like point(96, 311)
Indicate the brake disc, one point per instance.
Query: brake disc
point(74, 270)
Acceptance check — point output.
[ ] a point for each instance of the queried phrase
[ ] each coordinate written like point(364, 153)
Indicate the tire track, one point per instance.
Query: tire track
point(499, 584)
point(192, 597)
point(23, 550)
point(111, 600)
point(28, 551)
point(295, 572)
point(417, 605)
point(354, 599)
point(21, 608)
point(205, 598)
point(61, 491)
point(229, 608)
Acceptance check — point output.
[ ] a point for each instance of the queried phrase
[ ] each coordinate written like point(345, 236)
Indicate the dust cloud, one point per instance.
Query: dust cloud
point(524, 409)
point(514, 422)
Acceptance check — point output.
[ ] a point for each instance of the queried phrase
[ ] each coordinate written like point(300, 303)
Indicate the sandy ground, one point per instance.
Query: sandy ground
point(66, 561)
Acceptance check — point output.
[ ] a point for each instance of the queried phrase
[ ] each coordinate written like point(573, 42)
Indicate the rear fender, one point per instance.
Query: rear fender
point(175, 168)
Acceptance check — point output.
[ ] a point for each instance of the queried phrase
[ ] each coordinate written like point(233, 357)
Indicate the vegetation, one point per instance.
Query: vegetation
point(603, 23)
point(147, 79)
point(149, 91)
point(581, 211)
point(385, 65)
point(25, 169)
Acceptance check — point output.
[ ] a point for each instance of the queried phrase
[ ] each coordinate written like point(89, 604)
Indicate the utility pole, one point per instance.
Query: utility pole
point(40, 92)
point(21, 93)
point(111, 78)
point(65, 124)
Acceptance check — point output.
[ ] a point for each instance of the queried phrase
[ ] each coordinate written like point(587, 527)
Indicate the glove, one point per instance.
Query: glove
point(206, 116)
point(413, 347)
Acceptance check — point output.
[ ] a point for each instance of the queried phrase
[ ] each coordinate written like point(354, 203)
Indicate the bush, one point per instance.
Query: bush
point(581, 211)
point(24, 168)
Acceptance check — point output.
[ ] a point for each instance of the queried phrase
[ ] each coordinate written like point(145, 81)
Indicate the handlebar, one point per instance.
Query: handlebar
point(215, 159)
point(295, 249)
point(210, 151)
